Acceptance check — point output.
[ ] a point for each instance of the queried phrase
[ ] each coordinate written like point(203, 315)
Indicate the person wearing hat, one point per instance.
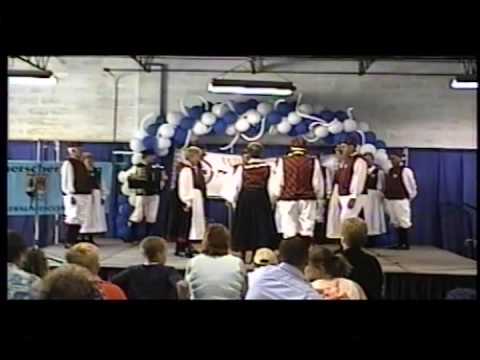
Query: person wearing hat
point(400, 190)
point(77, 193)
point(147, 181)
point(298, 186)
point(351, 177)
point(373, 200)
point(95, 222)
point(186, 220)
point(253, 222)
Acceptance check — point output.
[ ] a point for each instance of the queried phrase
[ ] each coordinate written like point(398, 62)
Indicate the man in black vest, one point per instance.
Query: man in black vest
point(400, 190)
point(77, 193)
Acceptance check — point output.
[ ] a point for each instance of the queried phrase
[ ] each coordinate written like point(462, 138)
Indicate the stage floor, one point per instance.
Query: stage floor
point(115, 254)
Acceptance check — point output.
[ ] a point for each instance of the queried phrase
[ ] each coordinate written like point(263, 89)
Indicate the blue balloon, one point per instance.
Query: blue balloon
point(241, 107)
point(380, 144)
point(292, 132)
point(122, 199)
point(180, 136)
point(150, 142)
point(253, 130)
point(370, 137)
point(195, 112)
point(327, 115)
point(341, 115)
point(301, 128)
point(152, 129)
point(252, 103)
point(329, 140)
point(274, 118)
point(124, 210)
point(338, 138)
point(230, 117)
point(219, 127)
point(187, 123)
point(283, 108)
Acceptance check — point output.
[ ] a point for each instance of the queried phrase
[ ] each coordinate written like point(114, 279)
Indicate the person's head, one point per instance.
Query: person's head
point(216, 241)
point(148, 156)
point(264, 256)
point(245, 156)
point(74, 151)
point(349, 145)
point(194, 155)
point(324, 264)
point(255, 149)
point(86, 255)
point(154, 249)
point(298, 145)
point(70, 282)
point(396, 158)
point(35, 262)
point(354, 233)
point(294, 251)
point(369, 158)
point(16, 248)
point(88, 160)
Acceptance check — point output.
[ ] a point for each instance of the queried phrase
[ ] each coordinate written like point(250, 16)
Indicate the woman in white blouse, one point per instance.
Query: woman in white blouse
point(215, 273)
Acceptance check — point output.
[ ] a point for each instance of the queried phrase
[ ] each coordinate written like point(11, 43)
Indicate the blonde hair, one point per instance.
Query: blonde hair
point(191, 151)
point(354, 232)
point(85, 255)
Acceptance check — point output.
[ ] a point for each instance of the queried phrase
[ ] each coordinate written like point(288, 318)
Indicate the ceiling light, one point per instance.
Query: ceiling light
point(251, 87)
point(31, 78)
point(467, 82)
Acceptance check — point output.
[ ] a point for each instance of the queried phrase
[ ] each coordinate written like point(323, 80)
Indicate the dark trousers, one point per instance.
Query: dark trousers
point(71, 233)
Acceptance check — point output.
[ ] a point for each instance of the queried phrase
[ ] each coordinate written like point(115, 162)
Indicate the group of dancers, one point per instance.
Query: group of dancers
point(296, 196)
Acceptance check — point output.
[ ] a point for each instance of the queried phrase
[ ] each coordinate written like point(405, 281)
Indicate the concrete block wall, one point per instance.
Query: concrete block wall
point(404, 111)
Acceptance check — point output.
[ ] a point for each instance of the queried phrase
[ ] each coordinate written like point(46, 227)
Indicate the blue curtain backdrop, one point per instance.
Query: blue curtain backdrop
point(444, 213)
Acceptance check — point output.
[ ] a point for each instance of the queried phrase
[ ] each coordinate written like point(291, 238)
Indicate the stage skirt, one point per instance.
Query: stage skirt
point(333, 217)
point(254, 224)
point(95, 218)
point(375, 213)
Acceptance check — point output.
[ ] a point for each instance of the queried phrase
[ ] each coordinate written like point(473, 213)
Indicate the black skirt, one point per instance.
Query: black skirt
point(254, 223)
point(179, 220)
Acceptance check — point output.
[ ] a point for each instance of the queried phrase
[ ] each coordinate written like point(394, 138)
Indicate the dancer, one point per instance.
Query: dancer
point(320, 218)
point(77, 193)
point(333, 216)
point(298, 186)
point(253, 224)
point(186, 221)
point(400, 190)
point(95, 222)
point(373, 200)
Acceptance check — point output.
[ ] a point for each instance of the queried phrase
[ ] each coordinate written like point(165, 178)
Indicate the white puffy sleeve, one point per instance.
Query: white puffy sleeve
point(410, 183)
point(67, 178)
point(231, 189)
point(317, 180)
point(381, 181)
point(277, 180)
point(185, 186)
point(359, 177)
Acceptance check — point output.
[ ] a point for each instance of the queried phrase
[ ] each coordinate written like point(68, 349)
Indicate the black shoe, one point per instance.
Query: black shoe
point(190, 253)
point(395, 247)
point(405, 247)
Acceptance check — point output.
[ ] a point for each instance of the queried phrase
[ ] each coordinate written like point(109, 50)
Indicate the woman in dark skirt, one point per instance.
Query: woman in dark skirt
point(253, 223)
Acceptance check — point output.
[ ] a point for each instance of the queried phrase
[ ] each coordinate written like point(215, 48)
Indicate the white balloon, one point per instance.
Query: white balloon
point(219, 110)
point(166, 130)
point(264, 108)
point(320, 131)
point(231, 131)
point(137, 158)
point(126, 190)
point(164, 143)
point(306, 109)
point(336, 127)
point(380, 157)
point(132, 200)
point(174, 118)
point(136, 145)
point(368, 148)
point(382, 151)
point(318, 108)
point(253, 116)
point(200, 129)
point(148, 120)
point(208, 119)
point(122, 177)
point(293, 118)
point(242, 125)
point(273, 130)
point(284, 127)
point(349, 125)
point(163, 152)
point(140, 134)
point(363, 126)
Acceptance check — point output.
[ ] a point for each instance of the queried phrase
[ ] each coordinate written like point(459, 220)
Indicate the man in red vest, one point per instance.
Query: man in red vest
point(400, 190)
point(299, 185)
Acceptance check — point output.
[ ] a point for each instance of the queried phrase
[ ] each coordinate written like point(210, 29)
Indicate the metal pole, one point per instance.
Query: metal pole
point(37, 217)
point(56, 239)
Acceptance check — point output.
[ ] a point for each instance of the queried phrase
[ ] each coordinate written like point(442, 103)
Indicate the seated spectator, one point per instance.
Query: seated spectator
point(264, 257)
point(20, 284)
point(328, 273)
point(215, 273)
point(70, 282)
point(366, 270)
point(462, 294)
point(86, 255)
point(35, 262)
point(285, 281)
point(152, 280)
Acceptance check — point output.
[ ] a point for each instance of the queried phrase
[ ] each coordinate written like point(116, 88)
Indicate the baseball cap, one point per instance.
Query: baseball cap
point(265, 256)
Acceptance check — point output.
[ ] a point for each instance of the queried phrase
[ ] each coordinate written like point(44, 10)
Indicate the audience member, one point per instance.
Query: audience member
point(35, 262)
point(366, 270)
point(215, 273)
point(328, 273)
point(153, 279)
point(285, 281)
point(264, 257)
point(20, 284)
point(70, 282)
point(86, 255)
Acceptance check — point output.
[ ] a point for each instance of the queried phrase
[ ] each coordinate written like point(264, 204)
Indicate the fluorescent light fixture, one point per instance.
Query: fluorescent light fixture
point(467, 82)
point(251, 87)
point(31, 78)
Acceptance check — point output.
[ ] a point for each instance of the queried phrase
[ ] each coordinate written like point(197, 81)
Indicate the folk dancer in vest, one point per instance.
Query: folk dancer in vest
point(96, 222)
point(298, 186)
point(351, 178)
point(400, 190)
point(251, 197)
point(320, 218)
point(333, 215)
point(147, 181)
point(187, 221)
point(77, 193)
point(373, 200)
